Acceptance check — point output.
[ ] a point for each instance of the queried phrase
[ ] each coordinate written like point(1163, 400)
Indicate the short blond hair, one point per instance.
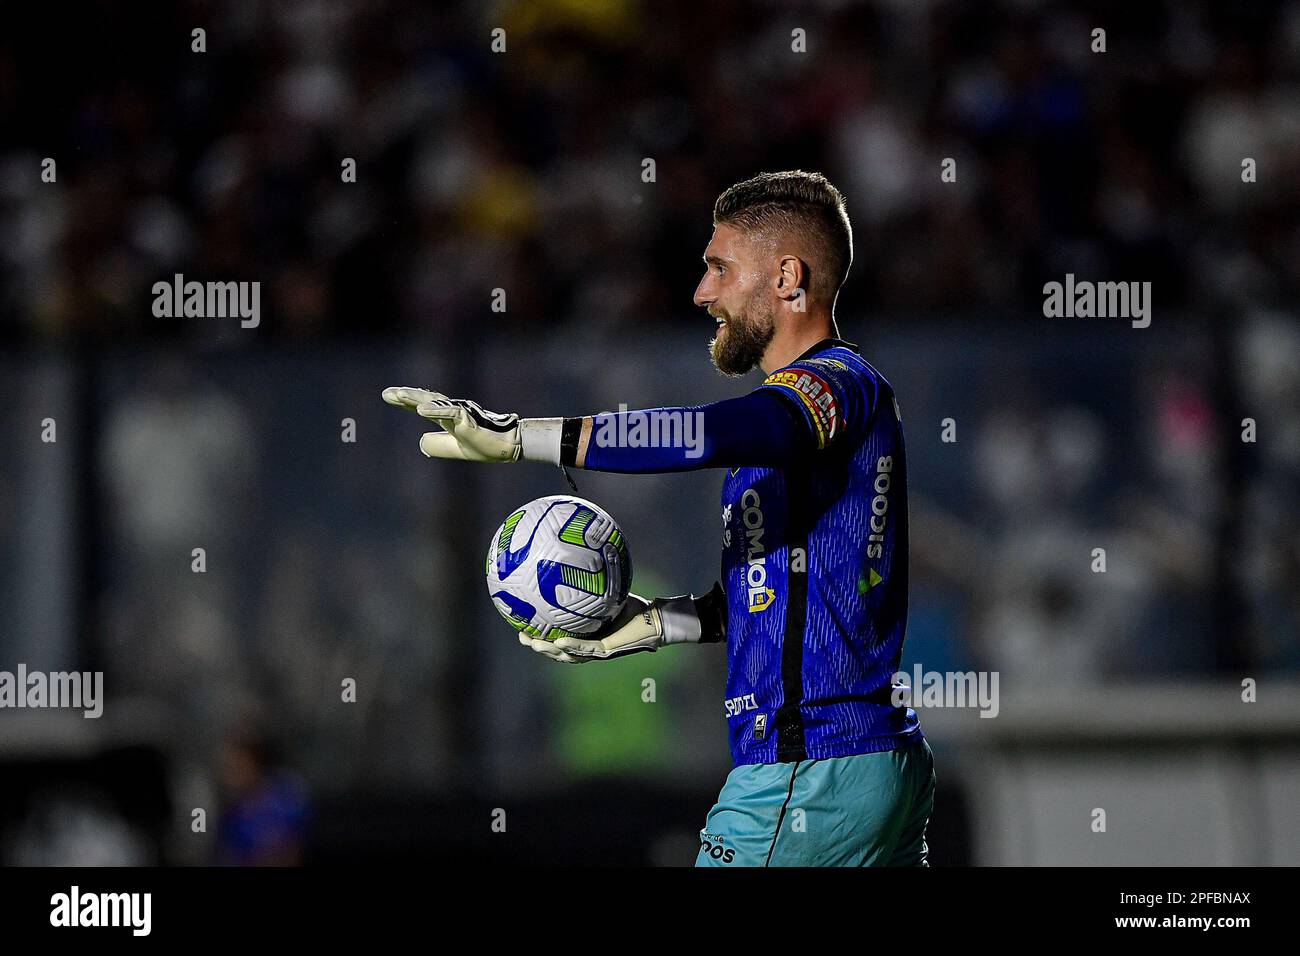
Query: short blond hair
point(801, 203)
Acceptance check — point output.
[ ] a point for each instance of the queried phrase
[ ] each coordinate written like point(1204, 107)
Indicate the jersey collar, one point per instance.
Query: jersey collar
point(827, 343)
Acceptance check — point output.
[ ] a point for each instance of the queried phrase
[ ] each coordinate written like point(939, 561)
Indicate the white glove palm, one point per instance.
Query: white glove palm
point(470, 433)
point(638, 627)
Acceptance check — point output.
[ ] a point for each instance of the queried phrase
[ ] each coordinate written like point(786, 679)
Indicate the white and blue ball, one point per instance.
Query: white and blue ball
point(558, 567)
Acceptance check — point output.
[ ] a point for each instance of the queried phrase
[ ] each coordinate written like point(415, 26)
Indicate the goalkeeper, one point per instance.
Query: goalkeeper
point(813, 599)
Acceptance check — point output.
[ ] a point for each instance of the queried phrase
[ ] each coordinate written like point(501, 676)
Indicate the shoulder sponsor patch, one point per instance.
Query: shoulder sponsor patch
point(817, 397)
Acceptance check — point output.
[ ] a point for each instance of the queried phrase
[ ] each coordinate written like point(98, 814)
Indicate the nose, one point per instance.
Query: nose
point(704, 294)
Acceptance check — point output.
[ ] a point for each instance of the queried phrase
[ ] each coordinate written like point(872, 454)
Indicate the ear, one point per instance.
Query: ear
point(790, 277)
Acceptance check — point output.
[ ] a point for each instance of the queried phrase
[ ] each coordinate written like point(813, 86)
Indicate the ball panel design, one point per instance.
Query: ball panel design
point(558, 566)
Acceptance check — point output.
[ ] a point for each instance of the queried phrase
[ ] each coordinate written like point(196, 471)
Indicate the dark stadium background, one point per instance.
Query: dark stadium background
point(522, 171)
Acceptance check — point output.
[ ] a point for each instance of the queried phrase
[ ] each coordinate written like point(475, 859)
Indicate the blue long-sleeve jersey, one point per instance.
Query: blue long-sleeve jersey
point(814, 550)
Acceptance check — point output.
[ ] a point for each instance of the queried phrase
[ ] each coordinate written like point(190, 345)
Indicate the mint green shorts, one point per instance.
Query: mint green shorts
point(864, 810)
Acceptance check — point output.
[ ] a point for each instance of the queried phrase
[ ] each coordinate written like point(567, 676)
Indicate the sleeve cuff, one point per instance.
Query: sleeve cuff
point(539, 439)
point(691, 620)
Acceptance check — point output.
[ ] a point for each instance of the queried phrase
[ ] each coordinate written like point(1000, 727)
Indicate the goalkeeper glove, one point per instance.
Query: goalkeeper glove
point(471, 433)
point(644, 626)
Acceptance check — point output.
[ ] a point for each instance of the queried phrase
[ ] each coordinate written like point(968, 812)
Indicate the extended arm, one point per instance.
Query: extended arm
point(758, 429)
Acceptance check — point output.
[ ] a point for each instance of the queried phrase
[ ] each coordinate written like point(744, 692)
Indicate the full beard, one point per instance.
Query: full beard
point(739, 347)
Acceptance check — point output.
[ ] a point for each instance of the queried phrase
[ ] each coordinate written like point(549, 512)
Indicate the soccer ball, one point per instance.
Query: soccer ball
point(558, 567)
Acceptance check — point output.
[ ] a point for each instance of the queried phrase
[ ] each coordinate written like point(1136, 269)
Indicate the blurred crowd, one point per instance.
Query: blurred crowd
point(523, 169)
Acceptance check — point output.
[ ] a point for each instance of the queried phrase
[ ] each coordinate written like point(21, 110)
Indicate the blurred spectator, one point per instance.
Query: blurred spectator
point(266, 811)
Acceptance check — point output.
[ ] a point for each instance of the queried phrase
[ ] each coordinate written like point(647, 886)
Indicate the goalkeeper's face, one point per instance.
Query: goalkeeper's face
point(737, 293)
